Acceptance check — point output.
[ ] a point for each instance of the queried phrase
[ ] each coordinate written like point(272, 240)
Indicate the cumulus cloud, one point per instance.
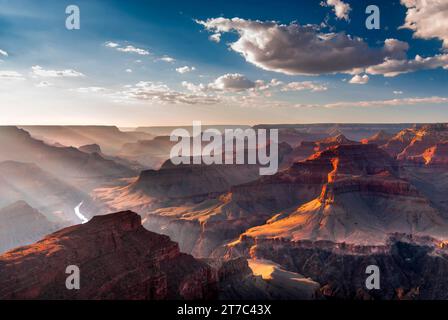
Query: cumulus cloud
point(340, 8)
point(358, 79)
point(185, 69)
point(196, 88)
point(3, 53)
point(38, 71)
point(397, 92)
point(393, 67)
point(304, 85)
point(157, 92)
point(237, 83)
point(302, 50)
point(232, 82)
point(10, 75)
point(427, 18)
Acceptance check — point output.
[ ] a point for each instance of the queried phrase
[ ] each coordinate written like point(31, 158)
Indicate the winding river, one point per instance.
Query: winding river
point(79, 214)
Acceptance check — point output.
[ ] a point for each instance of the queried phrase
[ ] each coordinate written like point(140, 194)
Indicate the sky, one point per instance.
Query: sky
point(139, 63)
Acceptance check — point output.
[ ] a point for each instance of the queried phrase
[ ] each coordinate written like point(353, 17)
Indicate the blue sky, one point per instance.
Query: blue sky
point(155, 63)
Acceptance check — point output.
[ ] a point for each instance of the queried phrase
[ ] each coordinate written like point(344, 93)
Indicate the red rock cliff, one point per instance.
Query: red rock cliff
point(118, 259)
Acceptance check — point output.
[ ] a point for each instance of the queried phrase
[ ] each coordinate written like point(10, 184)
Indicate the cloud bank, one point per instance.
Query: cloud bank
point(427, 18)
point(302, 49)
point(38, 71)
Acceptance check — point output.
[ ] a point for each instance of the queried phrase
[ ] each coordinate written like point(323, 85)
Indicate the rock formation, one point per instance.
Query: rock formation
point(117, 259)
point(21, 225)
point(363, 201)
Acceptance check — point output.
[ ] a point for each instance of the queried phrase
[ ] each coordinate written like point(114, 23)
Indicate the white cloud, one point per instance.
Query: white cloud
point(296, 50)
point(216, 37)
point(3, 53)
point(304, 85)
point(132, 49)
point(157, 92)
point(111, 44)
point(340, 8)
point(232, 82)
point(358, 79)
point(237, 83)
point(397, 92)
point(185, 69)
point(10, 75)
point(392, 67)
point(379, 103)
point(193, 87)
point(167, 59)
point(128, 70)
point(91, 90)
point(427, 18)
point(38, 71)
point(126, 49)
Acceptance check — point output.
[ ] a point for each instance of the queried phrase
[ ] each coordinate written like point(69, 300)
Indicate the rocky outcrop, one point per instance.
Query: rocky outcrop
point(363, 200)
point(380, 138)
point(436, 156)
point(197, 180)
point(399, 142)
point(117, 259)
point(254, 279)
point(202, 227)
point(410, 267)
point(337, 140)
point(307, 148)
point(90, 148)
point(177, 185)
point(425, 138)
point(413, 142)
point(20, 225)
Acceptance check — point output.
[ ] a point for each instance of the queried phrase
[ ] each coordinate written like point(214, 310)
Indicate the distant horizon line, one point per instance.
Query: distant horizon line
point(223, 125)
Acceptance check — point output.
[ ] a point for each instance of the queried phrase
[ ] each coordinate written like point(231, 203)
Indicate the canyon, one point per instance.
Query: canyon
point(346, 196)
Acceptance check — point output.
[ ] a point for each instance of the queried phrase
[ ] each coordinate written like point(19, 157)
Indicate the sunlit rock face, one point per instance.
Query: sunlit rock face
point(380, 138)
point(426, 137)
point(363, 200)
point(413, 142)
point(118, 259)
point(353, 193)
point(201, 227)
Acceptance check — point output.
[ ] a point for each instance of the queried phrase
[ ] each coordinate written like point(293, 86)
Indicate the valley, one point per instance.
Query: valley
point(345, 196)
